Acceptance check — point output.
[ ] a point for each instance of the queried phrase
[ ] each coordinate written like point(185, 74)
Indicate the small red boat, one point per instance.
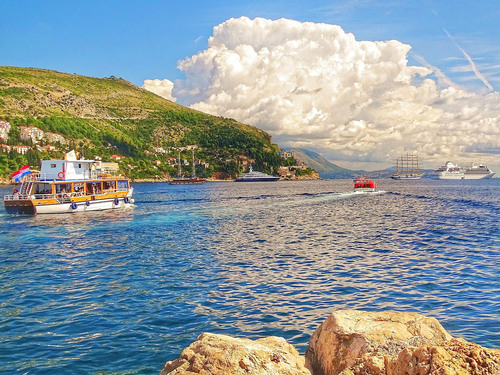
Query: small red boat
point(365, 184)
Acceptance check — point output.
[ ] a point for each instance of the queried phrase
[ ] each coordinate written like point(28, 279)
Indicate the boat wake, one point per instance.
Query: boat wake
point(251, 204)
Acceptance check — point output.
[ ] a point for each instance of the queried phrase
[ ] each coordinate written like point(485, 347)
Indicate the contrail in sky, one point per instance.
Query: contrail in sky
point(442, 78)
point(471, 62)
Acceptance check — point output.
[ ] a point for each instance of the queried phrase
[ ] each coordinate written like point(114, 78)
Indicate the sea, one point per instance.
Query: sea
point(124, 291)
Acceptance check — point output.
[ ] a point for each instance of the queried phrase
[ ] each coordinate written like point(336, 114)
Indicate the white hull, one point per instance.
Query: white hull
point(462, 176)
point(454, 172)
point(394, 177)
point(96, 205)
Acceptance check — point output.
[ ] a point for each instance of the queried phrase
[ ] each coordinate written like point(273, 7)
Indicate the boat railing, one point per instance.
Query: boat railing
point(103, 174)
point(13, 197)
point(34, 177)
point(60, 196)
point(100, 174)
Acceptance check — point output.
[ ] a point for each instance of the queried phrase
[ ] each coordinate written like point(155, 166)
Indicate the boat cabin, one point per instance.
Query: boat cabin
point(67, 169)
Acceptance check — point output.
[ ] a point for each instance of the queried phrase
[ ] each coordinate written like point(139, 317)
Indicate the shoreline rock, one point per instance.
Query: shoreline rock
point(221, 354)
point(348, 342)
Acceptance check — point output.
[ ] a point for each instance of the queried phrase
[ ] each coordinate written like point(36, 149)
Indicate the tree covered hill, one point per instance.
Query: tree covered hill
point(111, 116)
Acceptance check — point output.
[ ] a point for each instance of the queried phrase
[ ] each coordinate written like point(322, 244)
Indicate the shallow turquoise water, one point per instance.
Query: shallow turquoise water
point(125, 291)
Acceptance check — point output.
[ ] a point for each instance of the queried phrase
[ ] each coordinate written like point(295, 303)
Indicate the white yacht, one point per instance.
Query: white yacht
point(254, 176)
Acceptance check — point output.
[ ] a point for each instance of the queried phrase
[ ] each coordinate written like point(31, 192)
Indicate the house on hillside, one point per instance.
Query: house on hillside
point(4, 130)
point(21, 149)
point(31, 133)
point(285, 154)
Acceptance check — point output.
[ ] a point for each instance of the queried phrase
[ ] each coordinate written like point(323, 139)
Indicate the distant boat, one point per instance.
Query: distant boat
point(254, 176)
point(450, 171)
point(366, 185)
point(407, 168)
point(180, 180)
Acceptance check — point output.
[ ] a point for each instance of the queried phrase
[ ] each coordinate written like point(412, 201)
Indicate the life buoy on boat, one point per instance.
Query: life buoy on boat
point(126, 200)
point(74, 206)
point(116, 201)
point(87, 203)
point(60, 175)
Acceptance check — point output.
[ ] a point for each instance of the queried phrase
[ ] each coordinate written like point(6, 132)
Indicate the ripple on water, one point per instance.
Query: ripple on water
point(126, 291)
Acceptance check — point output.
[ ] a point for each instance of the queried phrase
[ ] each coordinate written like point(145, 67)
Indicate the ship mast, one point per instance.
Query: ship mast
point(194, 173)
point(179, 164)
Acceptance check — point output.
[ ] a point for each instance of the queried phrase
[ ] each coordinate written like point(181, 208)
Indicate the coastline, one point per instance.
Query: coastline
point(348, 342)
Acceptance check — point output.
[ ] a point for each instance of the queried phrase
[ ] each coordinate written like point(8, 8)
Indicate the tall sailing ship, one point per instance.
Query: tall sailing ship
point(181, 180)
point(407, 168)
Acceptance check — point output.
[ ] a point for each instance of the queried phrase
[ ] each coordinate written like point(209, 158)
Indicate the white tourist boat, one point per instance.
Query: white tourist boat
point(64, 186)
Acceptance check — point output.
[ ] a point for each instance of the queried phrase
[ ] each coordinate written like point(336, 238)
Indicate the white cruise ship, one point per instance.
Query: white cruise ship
point(450, 171)
point(476, 172)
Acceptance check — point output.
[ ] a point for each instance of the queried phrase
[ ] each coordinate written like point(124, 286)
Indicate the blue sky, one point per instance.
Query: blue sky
point(139, 40)
point(359, 102)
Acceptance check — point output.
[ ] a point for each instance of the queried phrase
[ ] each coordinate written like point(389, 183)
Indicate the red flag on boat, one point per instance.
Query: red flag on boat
point(21, 173)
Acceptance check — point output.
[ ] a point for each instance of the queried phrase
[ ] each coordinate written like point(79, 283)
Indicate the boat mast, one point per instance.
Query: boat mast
point(179, 163)
point(194, 173)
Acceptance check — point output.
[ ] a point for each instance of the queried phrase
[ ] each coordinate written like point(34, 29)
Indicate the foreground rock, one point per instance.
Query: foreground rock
point(220, 354)
point(456, 357)
point(351, 342)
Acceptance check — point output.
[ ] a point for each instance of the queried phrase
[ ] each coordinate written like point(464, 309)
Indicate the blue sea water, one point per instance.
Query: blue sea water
point(125, 291)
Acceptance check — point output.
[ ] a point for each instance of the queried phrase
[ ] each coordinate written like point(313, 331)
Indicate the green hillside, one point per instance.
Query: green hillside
point(111, 116)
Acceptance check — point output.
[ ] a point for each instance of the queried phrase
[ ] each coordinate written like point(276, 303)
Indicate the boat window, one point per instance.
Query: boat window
point(109, 185)
point(78, 187)
point(63, 188)
point(52, 166)
point(93, 187)
point(122, 185)
point(90, 188)
point(42, 189)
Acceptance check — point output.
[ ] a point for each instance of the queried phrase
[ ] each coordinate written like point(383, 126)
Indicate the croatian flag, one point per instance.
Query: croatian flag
point(21, 173)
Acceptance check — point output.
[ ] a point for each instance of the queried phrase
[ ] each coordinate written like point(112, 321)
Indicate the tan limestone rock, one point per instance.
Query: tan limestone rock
point(456, 357)
point(349, 338)
point(220, 354)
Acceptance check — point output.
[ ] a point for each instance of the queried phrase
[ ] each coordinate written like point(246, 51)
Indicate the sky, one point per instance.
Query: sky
point(359, 81)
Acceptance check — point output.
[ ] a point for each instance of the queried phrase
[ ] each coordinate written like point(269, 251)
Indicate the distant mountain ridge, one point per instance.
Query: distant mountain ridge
point(327, 169)
point(323, 166)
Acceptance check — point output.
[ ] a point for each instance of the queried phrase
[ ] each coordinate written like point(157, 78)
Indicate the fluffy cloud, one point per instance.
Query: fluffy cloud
point(162, 88)
point(315, 86)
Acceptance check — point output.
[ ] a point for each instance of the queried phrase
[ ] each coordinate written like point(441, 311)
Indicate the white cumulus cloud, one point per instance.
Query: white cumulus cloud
point(315, 86)
point(161, 87)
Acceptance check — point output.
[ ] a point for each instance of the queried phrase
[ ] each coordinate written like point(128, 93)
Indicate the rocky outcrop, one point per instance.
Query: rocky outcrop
point(455, 357)
point(348, 342)
point(220, 354)
point(351, 342)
